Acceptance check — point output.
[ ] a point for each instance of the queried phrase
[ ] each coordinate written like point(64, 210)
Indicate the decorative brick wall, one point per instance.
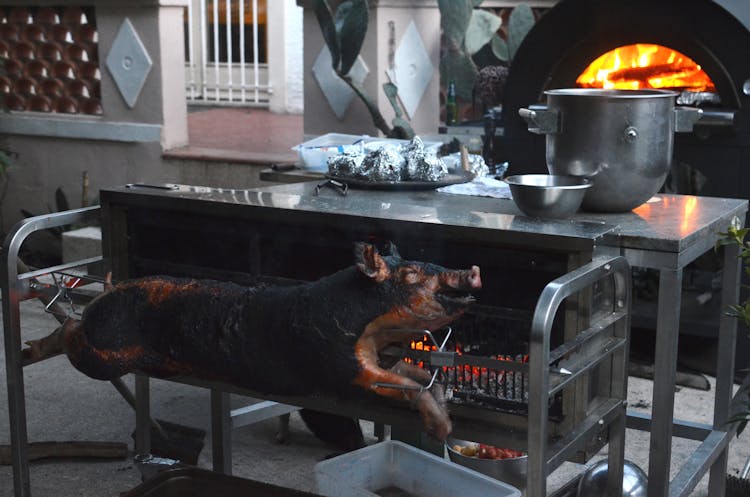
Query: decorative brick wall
point(51, 60)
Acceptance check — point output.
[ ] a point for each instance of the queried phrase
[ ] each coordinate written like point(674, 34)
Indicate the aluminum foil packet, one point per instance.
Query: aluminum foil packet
point(346, 164)
point(390, 162)
point(477, 166)
point(420, 164)
point(423, 167)
point(383, 164)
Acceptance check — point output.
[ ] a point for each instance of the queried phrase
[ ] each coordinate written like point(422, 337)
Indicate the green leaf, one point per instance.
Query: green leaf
point(500, 48)
point(482, 27)
point(520, 23)
point(457, 66)
point(328, 28)
point(351, 26)
point(455, 16)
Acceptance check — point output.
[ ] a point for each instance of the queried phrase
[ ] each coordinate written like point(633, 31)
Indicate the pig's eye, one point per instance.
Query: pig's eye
point(409, 276)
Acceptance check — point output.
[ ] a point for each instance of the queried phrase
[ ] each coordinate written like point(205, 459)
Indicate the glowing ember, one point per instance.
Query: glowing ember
point(493, 383)
point(642, 65)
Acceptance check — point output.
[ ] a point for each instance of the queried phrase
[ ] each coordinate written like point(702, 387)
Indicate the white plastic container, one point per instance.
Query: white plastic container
point(314, 154)
point(394, 468)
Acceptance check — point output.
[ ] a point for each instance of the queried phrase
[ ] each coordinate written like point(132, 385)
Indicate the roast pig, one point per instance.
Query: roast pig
point(318, 337)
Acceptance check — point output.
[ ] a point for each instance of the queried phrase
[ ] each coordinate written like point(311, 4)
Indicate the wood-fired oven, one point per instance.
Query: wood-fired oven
point(574, 33)
point(714, 160)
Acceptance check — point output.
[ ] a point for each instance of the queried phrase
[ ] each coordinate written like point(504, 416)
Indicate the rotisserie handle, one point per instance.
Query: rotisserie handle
point(685, 118)
point(541, 120)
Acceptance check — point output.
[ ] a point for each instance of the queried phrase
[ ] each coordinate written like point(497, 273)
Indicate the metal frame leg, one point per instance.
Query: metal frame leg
point(14, 379)
point(221, 432)
point(142, 418)
point(730, 294)
point(619, 372)
point(665, 363)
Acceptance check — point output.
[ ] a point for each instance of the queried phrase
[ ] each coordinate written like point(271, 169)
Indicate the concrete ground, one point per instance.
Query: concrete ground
point(62, 404)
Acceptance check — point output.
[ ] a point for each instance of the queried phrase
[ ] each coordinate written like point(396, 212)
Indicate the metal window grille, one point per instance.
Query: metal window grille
point(225, 47)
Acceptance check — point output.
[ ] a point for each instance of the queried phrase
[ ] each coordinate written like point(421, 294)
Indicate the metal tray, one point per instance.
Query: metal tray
point(451, 179)
point(194, 482)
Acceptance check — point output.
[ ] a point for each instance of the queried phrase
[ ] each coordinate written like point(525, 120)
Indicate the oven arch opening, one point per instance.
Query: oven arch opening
point(640, 66)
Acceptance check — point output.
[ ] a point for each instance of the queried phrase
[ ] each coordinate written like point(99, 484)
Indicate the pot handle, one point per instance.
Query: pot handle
point(685, 118)
point(541, 120)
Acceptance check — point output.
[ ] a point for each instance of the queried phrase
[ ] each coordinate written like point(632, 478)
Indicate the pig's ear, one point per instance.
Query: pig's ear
point(370, 262)
point(390, 249)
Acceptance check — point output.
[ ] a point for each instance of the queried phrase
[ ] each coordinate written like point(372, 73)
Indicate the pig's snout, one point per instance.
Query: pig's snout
point(467, 279)
point(473, 279)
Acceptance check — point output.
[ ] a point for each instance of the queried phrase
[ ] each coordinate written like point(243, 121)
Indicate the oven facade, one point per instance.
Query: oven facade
point(714, 160)
point(568, 37)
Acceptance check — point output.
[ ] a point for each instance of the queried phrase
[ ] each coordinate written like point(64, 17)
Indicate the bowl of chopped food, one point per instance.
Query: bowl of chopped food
point(506, 465)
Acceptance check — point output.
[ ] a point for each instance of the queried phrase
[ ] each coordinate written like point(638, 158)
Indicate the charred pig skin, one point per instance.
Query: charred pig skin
point(318, 337)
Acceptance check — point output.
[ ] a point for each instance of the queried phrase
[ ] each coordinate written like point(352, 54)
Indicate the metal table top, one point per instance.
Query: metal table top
point(667, 223)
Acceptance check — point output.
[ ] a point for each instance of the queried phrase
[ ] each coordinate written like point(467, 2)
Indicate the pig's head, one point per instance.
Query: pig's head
point(424, 295)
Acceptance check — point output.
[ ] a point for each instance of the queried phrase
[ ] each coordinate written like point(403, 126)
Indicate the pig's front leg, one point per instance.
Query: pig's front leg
point(433, 413)
point(421, 375)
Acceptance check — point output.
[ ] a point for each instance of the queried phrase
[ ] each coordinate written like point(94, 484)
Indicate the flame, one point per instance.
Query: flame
point(644, 65)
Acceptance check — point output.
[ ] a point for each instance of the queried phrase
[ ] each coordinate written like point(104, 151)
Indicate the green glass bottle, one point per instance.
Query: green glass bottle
point(451, 109)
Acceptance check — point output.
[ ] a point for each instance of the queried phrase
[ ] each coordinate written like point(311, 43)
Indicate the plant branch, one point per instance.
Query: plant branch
point(377, 117)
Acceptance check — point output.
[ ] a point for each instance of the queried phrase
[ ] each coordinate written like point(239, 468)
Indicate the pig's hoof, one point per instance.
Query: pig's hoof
point(440, 429)
point(434, 416)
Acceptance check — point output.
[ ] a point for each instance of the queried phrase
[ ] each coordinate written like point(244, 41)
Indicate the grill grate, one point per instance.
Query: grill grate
point(489, 364)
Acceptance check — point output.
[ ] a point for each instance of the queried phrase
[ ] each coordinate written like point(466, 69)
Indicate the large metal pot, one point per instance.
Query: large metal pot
point(622, 140)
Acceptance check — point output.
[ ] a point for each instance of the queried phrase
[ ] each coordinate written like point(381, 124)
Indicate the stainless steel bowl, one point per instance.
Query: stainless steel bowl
point(511, 471)
point(548, 195)
point(593, 483)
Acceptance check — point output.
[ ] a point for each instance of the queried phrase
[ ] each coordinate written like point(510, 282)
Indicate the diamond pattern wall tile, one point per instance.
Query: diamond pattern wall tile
point(129, 63)
point(337, 93)
point(413, 69)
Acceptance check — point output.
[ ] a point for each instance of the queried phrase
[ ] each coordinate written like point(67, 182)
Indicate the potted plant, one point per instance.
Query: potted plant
point(736, 235)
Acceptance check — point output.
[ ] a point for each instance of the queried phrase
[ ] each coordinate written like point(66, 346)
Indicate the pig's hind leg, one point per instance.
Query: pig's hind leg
point(44, 348)
point(69, 339)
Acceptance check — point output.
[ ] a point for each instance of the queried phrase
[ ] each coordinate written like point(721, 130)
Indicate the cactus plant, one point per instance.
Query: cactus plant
point(467, 29)
point(344, 32)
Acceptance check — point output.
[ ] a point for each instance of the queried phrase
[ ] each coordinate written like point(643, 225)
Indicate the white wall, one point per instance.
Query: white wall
point(285, 66)
point(294, 60)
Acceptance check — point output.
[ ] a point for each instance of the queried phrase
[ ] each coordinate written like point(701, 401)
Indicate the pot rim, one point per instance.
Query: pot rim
point(549, 181)
point(611, 93)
